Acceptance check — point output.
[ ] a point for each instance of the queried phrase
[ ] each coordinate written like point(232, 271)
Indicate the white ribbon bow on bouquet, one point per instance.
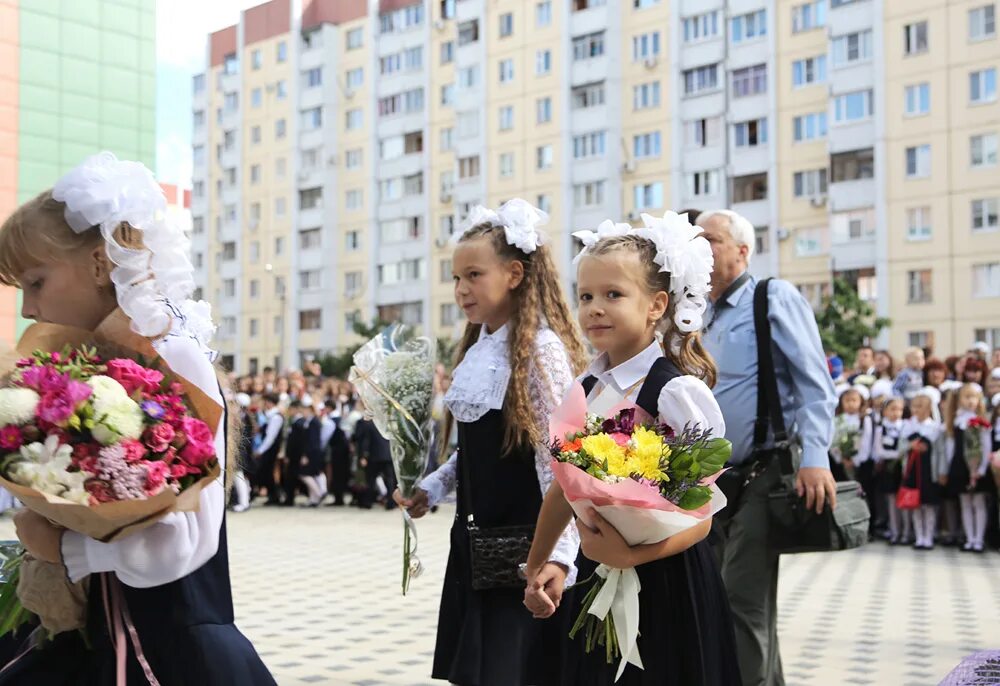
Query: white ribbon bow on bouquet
point(520, 221)
point(620, 596)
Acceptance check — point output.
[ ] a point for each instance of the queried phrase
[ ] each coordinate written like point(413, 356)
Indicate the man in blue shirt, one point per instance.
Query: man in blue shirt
point(749, 567)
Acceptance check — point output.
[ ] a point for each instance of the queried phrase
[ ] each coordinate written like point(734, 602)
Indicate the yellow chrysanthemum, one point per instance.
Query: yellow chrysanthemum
point(602, 448)
point(645, 458)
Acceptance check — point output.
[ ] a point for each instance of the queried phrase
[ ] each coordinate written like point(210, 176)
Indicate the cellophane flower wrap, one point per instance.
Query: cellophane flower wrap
point(976, 432)
point(100, 437)
point(394, 375)
point(644, 479)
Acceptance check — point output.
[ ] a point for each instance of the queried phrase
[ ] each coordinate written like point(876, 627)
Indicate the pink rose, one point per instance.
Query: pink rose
point(134, 377)
point(134, 450)
point(179, 470)
point(11, 438)
point(55, 408)
point(156, 477)
point(158, 438)
point(200, 444)
point(53, 382)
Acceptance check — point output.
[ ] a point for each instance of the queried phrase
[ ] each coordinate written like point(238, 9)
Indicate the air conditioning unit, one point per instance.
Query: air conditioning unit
point(784, 234)
point(818, 200)
point(629, 166)
point(445, 195)
point(650, 62)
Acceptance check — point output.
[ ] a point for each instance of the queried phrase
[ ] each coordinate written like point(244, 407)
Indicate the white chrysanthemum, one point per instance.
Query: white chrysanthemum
point(17, 405)
point(45, 468)
point(106, 391)
point(117, 420)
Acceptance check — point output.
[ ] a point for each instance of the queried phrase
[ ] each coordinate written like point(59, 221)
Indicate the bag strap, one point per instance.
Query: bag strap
point(470, 518)
point(768, 400)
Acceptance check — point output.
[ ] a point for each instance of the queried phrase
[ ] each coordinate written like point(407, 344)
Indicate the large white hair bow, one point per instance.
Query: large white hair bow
point(154, 283)
point(520, 221)
point(606, 229)
point(687, 256)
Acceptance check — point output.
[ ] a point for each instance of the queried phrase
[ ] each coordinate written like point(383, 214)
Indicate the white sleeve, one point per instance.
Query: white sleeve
point(986, 443)
point(687, 400)
point(180, 542)
point(274, 425)
point(441, 482)
point(549, 379)
point(867, 431)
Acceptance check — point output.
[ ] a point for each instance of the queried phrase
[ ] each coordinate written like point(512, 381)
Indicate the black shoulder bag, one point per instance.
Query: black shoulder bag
point(792, 528)
point(497, 551)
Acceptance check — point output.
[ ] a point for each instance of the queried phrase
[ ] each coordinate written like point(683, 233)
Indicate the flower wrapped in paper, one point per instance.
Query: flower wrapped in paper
point(99, 436)
point(646, 481)
point(394, 375)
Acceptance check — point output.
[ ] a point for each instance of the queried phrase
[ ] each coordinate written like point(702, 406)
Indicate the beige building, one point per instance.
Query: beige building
point(340, 143)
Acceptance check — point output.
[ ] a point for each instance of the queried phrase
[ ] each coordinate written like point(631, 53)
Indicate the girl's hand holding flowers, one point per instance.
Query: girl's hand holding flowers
point(39, 536)
point(604, 544)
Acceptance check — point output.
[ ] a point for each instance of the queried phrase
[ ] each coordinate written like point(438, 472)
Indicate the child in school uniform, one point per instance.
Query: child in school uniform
point(968, 476)
point(924, 462)
point(888, 446)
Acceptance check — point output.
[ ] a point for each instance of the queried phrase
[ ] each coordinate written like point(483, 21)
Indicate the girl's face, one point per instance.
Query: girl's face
point(936, 377)
point(915, 360)
point(484, 282)
point(973, 375)
point(66, 292)
point(616, 312)
point(893, 412)
point(969, 400)
point(921, 406)
point(850, 402)
point(882, 362)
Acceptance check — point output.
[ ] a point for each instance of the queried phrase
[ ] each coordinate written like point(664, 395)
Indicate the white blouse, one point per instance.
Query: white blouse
point(180, 542)
point(888, 434)
point(479, 384)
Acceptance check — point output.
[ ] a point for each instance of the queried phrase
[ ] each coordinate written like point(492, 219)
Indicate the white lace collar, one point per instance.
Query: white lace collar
point(479, 382)
point(629, 372)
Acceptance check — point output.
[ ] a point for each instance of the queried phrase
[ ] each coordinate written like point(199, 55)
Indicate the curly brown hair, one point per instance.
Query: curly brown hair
point(537, 299)
point(684, 349)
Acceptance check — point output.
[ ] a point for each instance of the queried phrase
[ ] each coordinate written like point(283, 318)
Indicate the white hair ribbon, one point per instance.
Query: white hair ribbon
point(606, 229)
point(520, 221)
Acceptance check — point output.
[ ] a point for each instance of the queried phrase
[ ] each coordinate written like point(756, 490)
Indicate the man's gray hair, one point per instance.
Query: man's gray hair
point(739, 226)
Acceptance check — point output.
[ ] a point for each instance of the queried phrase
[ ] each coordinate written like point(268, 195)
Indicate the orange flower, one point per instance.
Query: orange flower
point(572, 446)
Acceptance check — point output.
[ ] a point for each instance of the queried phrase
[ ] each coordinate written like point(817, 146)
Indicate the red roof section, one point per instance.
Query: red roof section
point(222, 42)
point(318, 12)
point(390, 5)
point(266, 21)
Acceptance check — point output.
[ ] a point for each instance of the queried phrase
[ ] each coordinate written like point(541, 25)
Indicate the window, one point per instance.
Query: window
point(310, 239)
point(354, 199)
point(543, 110)
point(506, 165)
point(986, 214)
point(543, 62)
point(506, 70)
point(254, 174)
point(852, 226)
point(468, 77)
point(983, 86)
point(355, 77)
point(918, 224)
point(309, 279)
point(405, 270)
point(589, 145)
point(703, 183)
point(353, 158)
point(355, 38)
point(447, 226)
point(198, 83)
point(589, 95)
point(851, 48)
point(352, 283)
point(544, 203)
point(701, 79)
point(448, 52)
point(543, 157)
point(645, 46)
point(646, 145)
point(352, 241)
point(701, 26)
point(919, 286)
point(750, 81)
point(506, 24)
point(918, 99)
point(312, 119)
point(649, 196)
point(448, 94)
point(643, 4)
point(646, 96)
point(809, 127)
point(402, 19)
point(814, 293)
point(198, 155)
point(279, 129)
point(589, 194)
point(989, 336)
point(920, 339)
point(282, 52)
point(231, 64)
point(389, 189)
point(506, 118)
point(748, 26)
point(468, 167)
point(353, 119)
point(448, 9)
point(809, 184)
point(982, 22)
point(915, 38)
point(853, 165)
point(198, 119)
point(256, 98)
point(254, 214)
point(468, 32)
point(749, 134)
point(543, 13)
point(229, 251)
point(310, 198)
point(447, 139)
point(853, 106)
point(810, 242)
point(279, 207)
point(413, 184)
point(750, 188)
point(310, 320)
point(918, 161)
point(229, 288)
point(449, 314)
point(399, 230)
point(589, 46)
point(281, 90)
point(447, 183)
point(762, 240)
point(809, 71)
point(701, 133)
point(401, 103)
point(983, 150)
point(811, 15)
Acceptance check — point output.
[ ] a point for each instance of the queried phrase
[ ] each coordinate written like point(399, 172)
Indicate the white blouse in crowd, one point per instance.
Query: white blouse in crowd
point(932, 431)
point(479, 384)
point(888, 441)
point(180, 542)
point(683, 400)
point(962, 420)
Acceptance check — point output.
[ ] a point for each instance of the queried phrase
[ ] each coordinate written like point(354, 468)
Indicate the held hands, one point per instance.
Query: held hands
point(544, 590)
point(41, 538)
point(417, 506)
point(817, 486)
point(603, 543)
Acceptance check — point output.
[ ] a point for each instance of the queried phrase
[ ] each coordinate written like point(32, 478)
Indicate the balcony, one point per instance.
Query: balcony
point(852, 185)
point(311, 217)
point(708, 51)
point(748, 160)
point(855, 16)
point(230, 83)
point(230, 119)
point(467, 10)
point(230, 193)
point(589, 70)
point(588, 19)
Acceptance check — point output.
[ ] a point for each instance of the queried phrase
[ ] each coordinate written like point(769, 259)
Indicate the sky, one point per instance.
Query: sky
point(182, 28)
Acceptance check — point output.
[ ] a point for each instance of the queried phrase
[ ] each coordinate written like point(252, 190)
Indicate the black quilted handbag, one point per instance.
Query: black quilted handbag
point(497, 552)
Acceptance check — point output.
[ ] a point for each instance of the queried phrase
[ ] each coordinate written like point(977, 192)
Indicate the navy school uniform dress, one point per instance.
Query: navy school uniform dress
point(686, 635)
point(959, 476)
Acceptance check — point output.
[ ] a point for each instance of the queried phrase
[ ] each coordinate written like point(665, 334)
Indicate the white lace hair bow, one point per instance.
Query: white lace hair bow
point(606, 229)
point(520, 221)
point(153, 284)
point(687, 256)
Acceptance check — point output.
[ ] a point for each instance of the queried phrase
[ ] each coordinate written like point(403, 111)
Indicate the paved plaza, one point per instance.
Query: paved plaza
point(317, 590)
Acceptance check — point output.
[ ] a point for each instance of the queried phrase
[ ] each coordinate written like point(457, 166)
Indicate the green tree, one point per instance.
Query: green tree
point(338, 365)
point(846, 322)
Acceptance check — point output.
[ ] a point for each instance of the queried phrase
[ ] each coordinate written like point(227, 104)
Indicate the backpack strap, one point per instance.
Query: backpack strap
point(660, 374)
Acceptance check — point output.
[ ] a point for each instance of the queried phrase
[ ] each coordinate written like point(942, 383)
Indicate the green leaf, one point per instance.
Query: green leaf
point(713, 456)
point(695, 498)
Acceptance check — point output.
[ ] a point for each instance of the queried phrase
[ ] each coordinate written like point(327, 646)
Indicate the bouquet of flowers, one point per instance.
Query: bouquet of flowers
point(394, 375)
point(104, 446)
point(648, 482)
point(973, 437)
point(846, 442)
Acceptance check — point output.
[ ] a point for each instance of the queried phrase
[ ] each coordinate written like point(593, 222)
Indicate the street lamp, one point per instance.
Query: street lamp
point(279, 290)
